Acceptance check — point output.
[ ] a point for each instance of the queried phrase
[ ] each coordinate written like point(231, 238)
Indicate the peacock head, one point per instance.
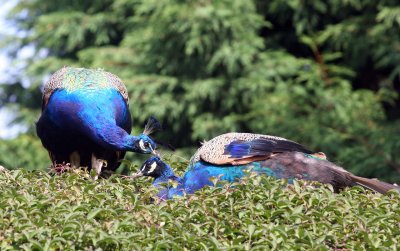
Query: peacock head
point(145, 144)
point(153, 167)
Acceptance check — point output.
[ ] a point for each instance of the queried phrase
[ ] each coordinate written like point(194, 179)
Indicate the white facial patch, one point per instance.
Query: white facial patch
point(152, 167)
point(141, 144)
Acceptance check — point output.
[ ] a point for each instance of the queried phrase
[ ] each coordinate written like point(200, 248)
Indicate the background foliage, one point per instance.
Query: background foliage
point(324, 73)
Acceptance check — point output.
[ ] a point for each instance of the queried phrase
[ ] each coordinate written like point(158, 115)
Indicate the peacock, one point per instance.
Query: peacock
point(229, 156)
point(85, 120)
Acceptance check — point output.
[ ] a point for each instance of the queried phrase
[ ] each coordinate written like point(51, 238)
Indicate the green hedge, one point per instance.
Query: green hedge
point(73, 212)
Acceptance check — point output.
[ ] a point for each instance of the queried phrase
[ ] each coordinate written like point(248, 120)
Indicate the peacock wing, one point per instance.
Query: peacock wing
point(244, 148)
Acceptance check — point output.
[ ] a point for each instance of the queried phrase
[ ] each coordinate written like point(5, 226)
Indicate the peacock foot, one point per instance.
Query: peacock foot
point(97, 165)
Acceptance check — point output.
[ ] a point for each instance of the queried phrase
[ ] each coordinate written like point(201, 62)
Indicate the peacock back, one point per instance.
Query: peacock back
point(230, 147)
point(82, 79)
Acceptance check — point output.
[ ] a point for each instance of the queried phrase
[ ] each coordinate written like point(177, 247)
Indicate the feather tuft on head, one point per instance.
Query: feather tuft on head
point(152, 126)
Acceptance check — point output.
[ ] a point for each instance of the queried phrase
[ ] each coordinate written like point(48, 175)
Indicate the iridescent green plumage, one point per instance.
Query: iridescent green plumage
point(75, 79)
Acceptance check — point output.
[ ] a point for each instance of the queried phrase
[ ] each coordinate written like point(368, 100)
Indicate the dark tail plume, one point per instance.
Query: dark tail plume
point(375, 185)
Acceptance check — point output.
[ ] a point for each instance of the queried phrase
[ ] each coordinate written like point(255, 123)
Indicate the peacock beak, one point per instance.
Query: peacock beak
point(154, 152)
point(136, 175)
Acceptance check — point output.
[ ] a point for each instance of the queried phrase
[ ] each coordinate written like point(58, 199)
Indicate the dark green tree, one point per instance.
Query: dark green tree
point(322, 73)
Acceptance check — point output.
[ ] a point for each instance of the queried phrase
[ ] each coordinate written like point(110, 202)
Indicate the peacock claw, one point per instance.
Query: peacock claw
point(97, 165)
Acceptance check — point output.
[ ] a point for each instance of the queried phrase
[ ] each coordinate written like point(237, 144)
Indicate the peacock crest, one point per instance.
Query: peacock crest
point(152, 125)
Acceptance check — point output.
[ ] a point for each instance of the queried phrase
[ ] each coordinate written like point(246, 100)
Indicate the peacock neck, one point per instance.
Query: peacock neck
point(130, 143)
point(169, 192)
point(167, 175)
point(116, 138)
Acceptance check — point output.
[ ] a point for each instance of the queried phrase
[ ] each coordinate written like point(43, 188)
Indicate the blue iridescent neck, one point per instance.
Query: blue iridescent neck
point(166, 175)
point(117, 138)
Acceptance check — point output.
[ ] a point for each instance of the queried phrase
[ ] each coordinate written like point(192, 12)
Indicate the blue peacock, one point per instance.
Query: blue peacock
point(229, 156)
point(85, 120)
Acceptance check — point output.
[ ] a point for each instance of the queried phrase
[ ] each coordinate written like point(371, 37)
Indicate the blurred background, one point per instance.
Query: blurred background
point(323, 73)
